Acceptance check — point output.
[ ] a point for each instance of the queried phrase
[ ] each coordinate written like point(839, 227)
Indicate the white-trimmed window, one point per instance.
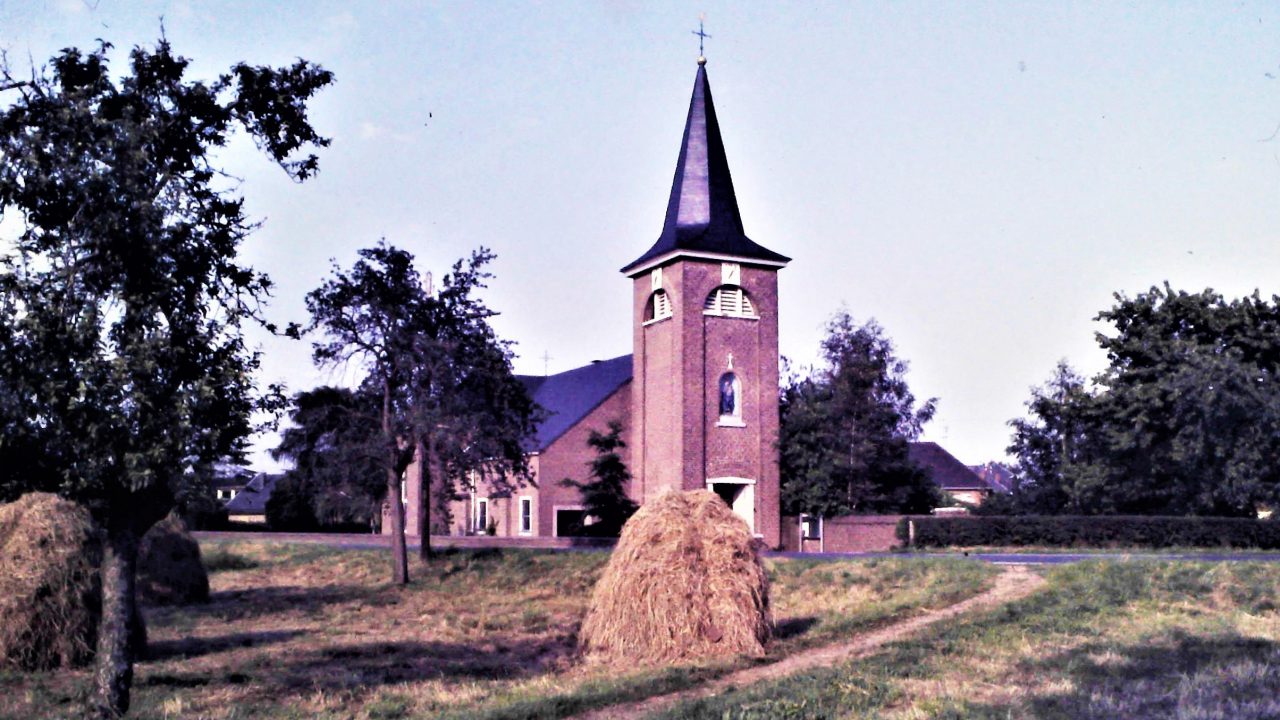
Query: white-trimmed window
point(526, 515)
point(729, 301)
point(482, 516)
point(658, 307)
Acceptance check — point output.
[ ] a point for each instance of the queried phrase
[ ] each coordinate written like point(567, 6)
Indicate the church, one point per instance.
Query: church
point(698, 395)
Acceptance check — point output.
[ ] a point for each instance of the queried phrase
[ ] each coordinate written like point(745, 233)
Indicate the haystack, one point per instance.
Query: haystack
point(50, 592)
point(684, 582)
point(170, 571)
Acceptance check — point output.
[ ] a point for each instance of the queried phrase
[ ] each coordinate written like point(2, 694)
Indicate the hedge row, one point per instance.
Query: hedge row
point(1090, 531)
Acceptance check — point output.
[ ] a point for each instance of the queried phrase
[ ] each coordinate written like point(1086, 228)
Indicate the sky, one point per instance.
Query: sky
point(980, 177)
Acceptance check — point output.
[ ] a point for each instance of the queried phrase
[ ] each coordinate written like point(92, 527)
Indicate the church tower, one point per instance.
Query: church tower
point(704, 402)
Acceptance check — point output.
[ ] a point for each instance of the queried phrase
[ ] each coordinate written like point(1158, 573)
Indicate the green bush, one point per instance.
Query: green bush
point(1091, 531)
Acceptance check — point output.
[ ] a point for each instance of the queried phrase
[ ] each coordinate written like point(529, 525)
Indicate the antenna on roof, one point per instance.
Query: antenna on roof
point(701, 36)
point(546, 358)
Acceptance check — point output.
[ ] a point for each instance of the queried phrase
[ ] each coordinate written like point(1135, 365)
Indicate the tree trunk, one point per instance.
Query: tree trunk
point(113, 672)
point(399, 553)
point(426, 473)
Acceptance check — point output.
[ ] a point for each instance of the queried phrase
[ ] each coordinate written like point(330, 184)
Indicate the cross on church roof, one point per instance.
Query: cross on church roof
point(701, 35)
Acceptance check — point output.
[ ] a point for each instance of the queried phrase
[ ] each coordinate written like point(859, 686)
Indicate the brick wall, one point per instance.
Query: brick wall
point(850, 533)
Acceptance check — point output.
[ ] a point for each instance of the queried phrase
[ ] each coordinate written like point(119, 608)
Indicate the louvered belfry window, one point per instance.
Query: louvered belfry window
point(729, 301)
point(659, 306)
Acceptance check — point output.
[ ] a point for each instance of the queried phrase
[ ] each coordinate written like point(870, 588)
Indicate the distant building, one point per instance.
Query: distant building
point(952, 476)
point(249, 503)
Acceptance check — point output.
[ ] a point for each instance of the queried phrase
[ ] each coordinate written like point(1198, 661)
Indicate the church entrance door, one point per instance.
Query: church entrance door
point(739, 494)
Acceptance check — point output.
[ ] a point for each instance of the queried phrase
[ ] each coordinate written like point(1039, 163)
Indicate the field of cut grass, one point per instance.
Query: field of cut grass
point(1150, 639)
point(298, 631)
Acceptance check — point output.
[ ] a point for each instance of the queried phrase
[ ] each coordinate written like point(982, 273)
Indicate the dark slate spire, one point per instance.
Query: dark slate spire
point(702, 214)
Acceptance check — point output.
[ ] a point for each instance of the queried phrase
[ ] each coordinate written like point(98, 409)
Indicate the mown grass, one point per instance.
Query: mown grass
point(1151, 639)
point(303, 631)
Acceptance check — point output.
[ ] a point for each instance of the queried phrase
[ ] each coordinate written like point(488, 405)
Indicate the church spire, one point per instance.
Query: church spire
point(702, 214)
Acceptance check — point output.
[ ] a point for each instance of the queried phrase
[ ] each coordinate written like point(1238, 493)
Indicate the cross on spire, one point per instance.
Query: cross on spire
point(699, 32)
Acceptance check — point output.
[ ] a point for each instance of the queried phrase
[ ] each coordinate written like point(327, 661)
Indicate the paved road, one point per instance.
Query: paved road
point(358, 542)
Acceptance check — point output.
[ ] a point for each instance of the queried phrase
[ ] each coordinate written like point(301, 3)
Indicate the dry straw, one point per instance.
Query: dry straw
point(49, 587)
point(170, 571)
point(685, 582)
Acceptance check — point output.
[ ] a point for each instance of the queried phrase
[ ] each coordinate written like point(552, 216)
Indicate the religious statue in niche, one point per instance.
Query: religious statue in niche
point(728, 395)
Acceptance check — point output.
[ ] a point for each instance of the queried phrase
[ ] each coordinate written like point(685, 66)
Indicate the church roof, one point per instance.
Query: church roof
point(702, 214)
point(567, 397)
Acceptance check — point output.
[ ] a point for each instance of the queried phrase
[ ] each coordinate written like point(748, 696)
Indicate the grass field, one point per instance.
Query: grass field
point(1148, 639)
point(296, 631)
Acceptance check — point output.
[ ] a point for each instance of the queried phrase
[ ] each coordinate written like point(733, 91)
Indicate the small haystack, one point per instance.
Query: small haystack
point(50, 592)
point(170, 571)
point(684, 582)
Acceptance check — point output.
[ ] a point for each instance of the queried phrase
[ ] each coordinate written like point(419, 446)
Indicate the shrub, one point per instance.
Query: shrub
point(1091, 531)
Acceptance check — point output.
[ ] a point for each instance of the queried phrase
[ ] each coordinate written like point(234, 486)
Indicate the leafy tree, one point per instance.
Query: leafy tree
point(1191, 404)
point(370, 316)
point(448, 395)
point(1055, 447)
point(846, 428)
point(291, 507)
point(470, 413)
point(333, 445)
point(122, 360)
point(605, 496)
point(1185, 420)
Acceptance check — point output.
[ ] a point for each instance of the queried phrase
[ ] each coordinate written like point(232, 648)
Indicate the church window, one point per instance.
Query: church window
point(482, 516)
point(729, 301)
point(730, 399)
point(659, 306)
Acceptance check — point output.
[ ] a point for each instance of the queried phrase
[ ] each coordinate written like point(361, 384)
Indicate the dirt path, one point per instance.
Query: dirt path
point(1014, 583)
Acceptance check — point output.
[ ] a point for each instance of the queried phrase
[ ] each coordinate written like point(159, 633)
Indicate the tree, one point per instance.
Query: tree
point(333, 445)
point(471, 415)
point(448, 394)
point(370, 316)
point(1191, 407)
point(1184, 421)
point(121, 326)
point(605, 497)
point(846, 428)
point(291, 506)
point(1056, 447)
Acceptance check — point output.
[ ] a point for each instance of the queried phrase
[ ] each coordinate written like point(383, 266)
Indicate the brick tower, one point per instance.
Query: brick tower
point(704, 403)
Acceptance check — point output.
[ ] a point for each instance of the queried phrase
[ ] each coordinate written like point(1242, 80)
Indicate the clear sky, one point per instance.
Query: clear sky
point(979, 177)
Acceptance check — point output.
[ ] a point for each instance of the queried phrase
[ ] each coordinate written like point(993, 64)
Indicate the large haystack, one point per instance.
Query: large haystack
point(684, 582)
point(170, 571)
point(50, 593)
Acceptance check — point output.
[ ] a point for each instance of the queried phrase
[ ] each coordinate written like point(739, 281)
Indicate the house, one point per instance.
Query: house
point(249, 504)
point(952, 476)
point(697, 396)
